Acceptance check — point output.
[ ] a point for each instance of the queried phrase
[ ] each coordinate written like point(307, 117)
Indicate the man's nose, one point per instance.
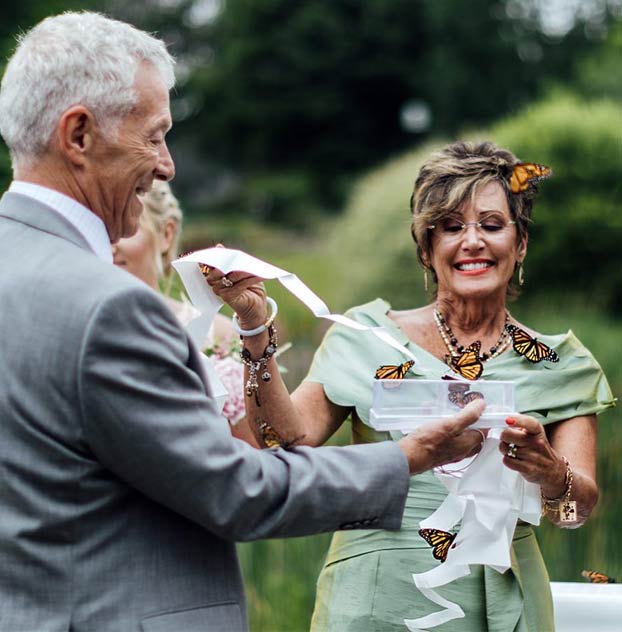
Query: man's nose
point(166, 167)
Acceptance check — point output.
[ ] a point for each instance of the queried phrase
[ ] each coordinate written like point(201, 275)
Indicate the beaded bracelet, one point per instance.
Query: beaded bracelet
point(255, 367)
point(566, 508)
point(274, 310)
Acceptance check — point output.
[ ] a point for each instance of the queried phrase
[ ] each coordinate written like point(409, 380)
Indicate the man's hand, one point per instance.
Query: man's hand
point(446, 441)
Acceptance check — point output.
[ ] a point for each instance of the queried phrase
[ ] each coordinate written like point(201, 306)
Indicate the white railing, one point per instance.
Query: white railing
point(587, 607)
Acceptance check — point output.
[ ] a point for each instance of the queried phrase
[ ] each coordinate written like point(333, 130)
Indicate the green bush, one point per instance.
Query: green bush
point(577, 228)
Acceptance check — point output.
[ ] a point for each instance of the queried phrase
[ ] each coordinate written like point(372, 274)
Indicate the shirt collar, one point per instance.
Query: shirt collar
point(91, 227)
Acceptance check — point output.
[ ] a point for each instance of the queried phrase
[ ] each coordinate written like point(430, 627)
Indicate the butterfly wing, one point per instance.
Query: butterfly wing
point(393, 371)
point(471, 396)
point(439, 540)
point(530, 348)
point(597, 578)
point(468, 364)
point(525, 174)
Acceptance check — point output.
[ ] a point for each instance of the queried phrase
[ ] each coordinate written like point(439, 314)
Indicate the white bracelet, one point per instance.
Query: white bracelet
point(274, 310)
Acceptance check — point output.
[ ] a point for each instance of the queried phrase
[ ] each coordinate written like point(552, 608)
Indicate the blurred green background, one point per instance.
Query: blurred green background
point(299, 130)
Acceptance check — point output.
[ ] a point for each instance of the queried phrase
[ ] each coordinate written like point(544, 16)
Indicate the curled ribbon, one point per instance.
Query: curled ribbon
point(489, 498)
point(229, 260)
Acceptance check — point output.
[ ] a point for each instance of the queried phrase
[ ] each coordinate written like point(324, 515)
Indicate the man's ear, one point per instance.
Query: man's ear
point(75, 134)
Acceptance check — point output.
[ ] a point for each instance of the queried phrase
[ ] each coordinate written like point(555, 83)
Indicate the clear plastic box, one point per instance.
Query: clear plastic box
point(406, 404)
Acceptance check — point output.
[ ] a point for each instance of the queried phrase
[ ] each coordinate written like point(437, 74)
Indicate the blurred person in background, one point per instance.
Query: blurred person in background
point(148, 255)
point(471, 209)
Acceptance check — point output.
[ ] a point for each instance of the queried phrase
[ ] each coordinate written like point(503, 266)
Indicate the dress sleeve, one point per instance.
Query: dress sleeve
point(575, 387)
point(346, 362)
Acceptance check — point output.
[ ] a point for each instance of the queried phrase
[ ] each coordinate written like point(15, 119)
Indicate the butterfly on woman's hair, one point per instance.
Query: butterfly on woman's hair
point(598, 578)
point(468, 363)
point(393, 371)
point(440, 541)
point(530, 348)
point(525, 174)
point(458, 393)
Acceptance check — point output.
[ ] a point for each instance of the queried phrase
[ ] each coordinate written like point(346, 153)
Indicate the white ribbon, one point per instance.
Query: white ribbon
point(489, 498)
point(228, 260)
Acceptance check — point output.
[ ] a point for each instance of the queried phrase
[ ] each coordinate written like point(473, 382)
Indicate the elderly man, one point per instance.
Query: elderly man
point(122, 489)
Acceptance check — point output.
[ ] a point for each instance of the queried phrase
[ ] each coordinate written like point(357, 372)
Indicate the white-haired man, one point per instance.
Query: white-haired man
point(122, 489)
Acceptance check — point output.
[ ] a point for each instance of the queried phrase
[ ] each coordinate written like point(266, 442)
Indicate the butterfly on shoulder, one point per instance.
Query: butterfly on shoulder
point(530, 348)
point(393, 371)
point(440, 541)
point(598, 578)
point(525, 174)
point(458, 394)
point(468, 363)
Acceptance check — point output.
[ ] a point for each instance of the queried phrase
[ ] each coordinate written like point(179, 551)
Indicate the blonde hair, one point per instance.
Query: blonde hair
point(453, 175)
point(160, 206)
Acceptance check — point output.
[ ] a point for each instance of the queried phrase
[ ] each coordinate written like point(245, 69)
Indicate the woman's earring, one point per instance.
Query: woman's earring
point(425, 279)
point(521, 274)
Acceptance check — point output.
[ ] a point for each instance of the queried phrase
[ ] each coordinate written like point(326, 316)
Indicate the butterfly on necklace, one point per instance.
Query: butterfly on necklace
point(598, 578)
point(526, 174)
point(440, 541)
point(530, 348)
point(468, 364)
point(458, 394)
point(393, 371)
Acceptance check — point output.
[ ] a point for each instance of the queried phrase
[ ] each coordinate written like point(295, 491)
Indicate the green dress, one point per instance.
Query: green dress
point(366, 584)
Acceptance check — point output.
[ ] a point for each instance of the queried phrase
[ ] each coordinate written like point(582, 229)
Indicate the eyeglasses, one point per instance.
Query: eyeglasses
point(452, 228)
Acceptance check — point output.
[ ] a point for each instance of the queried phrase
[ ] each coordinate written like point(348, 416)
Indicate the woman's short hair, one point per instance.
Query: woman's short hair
point(160, 206)
point(453, 175)
point(68, 59)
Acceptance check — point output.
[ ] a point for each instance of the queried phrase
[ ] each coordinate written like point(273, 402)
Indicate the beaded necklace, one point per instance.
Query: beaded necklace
point(456, 350)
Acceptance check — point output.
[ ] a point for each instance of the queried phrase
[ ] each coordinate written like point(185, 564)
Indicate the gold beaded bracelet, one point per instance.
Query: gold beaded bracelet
point(562, 506)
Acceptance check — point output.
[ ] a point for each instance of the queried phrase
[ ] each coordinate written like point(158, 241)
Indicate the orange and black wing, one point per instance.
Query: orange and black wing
point(525, 174)
point(393, 371)
point(597, 578)
point(529, 347)
point(468, 363)
point(439, 540)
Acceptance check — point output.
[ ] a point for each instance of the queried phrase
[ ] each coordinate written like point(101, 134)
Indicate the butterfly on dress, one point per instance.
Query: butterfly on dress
point(526, 174)
point(393, 371)
point(440, 541)
point(530, 348)
point(458, 393)
point(468, 363)
point(598, 578)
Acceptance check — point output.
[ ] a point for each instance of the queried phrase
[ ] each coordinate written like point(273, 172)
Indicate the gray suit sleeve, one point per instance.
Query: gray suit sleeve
point(147, 417)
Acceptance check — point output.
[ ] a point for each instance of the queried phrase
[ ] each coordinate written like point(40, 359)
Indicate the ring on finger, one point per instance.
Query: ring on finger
point(512, 451)
point(205, 269)
point(226, 282)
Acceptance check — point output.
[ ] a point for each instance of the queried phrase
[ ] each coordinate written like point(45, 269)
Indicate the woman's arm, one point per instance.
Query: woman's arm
point(539, 459)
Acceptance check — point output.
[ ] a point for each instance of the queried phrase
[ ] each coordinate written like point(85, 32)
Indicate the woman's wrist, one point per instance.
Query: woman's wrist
point(556, 487)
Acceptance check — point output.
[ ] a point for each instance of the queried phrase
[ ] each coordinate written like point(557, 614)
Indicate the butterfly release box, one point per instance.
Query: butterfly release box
point(406, 404)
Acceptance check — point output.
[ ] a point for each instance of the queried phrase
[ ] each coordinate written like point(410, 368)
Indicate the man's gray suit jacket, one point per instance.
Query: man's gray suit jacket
point(121, 488)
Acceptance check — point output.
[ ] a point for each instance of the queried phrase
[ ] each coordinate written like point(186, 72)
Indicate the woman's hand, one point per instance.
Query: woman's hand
point(534, 458)
point(243, 292)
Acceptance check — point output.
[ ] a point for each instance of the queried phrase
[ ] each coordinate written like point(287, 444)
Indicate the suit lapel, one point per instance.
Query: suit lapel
point(31, 212)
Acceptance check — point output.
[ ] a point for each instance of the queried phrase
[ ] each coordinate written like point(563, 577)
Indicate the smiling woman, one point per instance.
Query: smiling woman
point(470, 221)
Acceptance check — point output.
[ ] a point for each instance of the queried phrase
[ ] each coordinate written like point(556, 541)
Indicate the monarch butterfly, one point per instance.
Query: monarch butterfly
point(525, 174)
point(529, 347)
point(205, 269)
point(597, 578)
point(460, 395)
point(468, 364)
point(393, 371)
point(440, 541)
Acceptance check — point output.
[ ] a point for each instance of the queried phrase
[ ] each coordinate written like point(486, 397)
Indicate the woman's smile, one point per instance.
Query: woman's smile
point(474, 267)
